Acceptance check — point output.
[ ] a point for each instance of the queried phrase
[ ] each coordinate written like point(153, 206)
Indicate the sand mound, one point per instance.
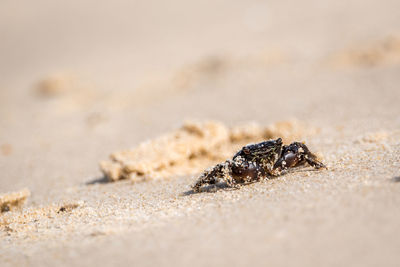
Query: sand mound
point(14, 200)
point(381, 52)
point(193, 147)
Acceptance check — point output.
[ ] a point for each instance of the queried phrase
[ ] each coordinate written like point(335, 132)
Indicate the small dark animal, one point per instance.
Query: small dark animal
point(258, 161)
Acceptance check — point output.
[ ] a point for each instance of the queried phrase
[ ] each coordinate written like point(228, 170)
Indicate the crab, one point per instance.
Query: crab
point(259, 161)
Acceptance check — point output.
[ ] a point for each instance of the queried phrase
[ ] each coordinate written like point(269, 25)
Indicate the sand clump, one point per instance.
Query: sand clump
point(373, 140)
point(381, 52)
point(68, 207)
point(56, 84)
point(6, 149)
point(193, 147)
point(13, 200)
point(373, 137)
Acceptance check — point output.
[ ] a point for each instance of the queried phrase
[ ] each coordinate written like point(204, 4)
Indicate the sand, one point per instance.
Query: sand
point(81, 81)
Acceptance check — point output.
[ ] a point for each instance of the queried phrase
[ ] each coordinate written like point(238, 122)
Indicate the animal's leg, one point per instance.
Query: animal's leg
point(220, 171)
point(313, 161)
point(294, 155)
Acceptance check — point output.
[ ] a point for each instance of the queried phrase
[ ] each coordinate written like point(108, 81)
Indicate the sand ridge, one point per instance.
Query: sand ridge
point(194, 147)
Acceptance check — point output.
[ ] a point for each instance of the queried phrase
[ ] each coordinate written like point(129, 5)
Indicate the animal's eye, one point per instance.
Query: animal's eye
point(246, 150)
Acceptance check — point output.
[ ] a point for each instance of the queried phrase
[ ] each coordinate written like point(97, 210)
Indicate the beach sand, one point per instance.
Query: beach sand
point(81, 81)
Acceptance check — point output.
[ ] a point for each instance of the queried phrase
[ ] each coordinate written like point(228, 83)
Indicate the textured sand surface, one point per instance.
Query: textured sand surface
point(82, 80)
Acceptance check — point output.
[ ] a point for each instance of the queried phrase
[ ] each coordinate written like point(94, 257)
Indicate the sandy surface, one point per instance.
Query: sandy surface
point(81, 80)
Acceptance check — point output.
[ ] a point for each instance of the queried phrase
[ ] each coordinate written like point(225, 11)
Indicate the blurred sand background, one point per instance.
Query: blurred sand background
point(82, 79)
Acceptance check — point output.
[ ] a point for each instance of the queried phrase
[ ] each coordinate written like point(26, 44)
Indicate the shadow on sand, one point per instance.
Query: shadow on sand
point(207, 189)
point(98, 180)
